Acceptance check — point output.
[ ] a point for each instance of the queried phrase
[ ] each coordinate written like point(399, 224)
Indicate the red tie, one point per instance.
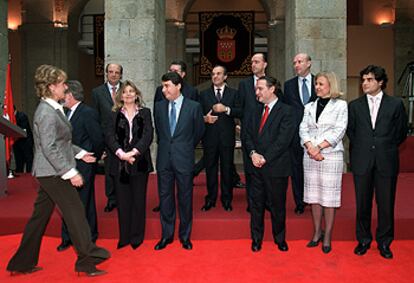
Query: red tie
point(264, 118)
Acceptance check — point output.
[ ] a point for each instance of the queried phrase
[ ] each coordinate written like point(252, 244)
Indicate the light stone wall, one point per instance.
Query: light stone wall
point(135, 38)
point(317, 27)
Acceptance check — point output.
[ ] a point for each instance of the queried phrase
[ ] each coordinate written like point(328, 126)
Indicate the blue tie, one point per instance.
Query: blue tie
point(173, 117)
point(305, 92)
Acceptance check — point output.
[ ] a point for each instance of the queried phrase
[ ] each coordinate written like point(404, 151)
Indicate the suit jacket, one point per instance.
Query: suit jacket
point(291, 96)
point(178, 149)
point(23, 122)
point(274, 140)
point(223, 130)
point(118, 136)
point(86, 131)
point(103, 103)
point(331, 125)
point(187, 90)
point(54, 151)
point(377, 146)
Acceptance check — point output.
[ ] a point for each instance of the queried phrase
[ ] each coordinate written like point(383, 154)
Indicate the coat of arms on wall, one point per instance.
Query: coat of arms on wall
point(226, 38)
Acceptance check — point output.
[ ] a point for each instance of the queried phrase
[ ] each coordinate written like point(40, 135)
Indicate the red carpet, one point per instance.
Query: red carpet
point(212, 225)
point(222, 261)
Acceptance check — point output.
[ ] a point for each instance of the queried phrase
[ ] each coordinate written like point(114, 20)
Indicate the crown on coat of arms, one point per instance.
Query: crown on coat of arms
point(226, 32)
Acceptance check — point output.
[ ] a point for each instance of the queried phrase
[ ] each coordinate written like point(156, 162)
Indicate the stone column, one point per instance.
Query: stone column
point(318, 28)
point(135, 38)
point(403, 42)
point(276, 49)
point(4, 48)
point(42, 43)
point(175, 41)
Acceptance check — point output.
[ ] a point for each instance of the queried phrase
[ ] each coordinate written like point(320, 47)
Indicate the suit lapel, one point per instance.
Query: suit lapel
point(108, 94)
point(181, 117)
point(365, 109)
point(270, 118)
point(382, 108)
point(76, 114)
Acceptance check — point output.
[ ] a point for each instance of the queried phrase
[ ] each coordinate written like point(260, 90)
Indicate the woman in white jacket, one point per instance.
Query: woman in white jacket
point(321, 131)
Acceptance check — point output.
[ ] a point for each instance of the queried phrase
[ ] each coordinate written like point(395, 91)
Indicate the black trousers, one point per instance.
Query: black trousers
point(215, 155)
point(87, 196)
point(384, 189)
point(23, 155)
point(296, 156)
point(54, 190)
point(109, 180)
point(200, 165)
point(131, 208)
point(167, 180)
point(271, 190)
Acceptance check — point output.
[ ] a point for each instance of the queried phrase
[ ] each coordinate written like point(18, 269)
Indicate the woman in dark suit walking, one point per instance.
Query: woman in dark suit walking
point(54, 167)
point(129, 137)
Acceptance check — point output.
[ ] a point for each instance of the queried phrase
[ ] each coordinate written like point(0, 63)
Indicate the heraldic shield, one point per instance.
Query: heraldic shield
point(226, 45)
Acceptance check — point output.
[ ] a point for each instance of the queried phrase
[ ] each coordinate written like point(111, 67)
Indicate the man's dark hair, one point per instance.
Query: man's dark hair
point(271, 81)
point(378, 72)
point(173, 77)
point(120, 67)
point(182, 65)
point(264, 56)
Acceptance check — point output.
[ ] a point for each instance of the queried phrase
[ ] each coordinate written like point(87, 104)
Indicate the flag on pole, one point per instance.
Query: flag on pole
point(8, 112)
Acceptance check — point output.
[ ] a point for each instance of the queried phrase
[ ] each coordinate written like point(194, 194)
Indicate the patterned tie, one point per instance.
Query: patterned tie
point(173, 116)
point(305, 92)
point(218, 95)
point(264, 118)
point(374, 110)
point(113, 93)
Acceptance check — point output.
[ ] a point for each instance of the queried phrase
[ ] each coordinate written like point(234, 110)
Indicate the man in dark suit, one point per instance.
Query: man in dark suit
point(247, 96)
point(298, 91)
point(220, 105)
point(87, 134)
point(179, 125)
point(103, 100)
point(377, 125)
point(267, 137)
point(23, 147)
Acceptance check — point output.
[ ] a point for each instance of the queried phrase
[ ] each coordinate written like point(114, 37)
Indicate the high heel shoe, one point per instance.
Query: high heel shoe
point(326, 249)
point(313, 243)
point(32, 270)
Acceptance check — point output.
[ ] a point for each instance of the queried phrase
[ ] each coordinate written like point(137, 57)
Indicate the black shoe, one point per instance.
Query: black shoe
point(299, 210)
point(28, 271)
point(227, 206)
point(313, 243)
point(256, 246)
point(109, 207)
point(239, 185)
point(156, 209)
point(162, 244)
point(94, 273)
point(120, 246)
point(187, 245)
point(282, 246)
point(326, 249)
point(385, 252)
point(63, 246)
point(361, 249)
point(248, 209)
point(208, 205)
point(136, 245)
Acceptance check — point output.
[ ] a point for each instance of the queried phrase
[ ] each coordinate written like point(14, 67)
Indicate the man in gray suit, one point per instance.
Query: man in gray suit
point(179, 125)
point(103, 100)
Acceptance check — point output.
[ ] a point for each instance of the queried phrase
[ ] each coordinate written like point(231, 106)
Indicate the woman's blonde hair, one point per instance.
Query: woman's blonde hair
point(118, 97)
point(45, 76)
point(333, 83)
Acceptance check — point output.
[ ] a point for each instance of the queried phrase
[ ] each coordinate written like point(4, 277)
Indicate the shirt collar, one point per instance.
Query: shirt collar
point(56, 105)
point(377, 97)
point(271, 104)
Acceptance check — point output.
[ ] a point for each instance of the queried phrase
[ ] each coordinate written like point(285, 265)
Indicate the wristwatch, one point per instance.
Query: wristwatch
point(252, 152)
point(319, 147)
